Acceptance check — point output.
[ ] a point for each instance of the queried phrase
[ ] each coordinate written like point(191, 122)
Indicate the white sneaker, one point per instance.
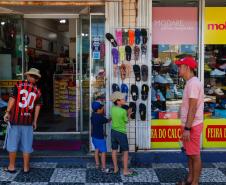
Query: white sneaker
point(167, 63)
point(217, 72)
point(160, 79)
point(219, 92)
point(168, 78)
point(223, 66)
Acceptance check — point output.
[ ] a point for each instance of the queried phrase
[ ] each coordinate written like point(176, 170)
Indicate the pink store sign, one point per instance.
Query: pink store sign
point(175, 25)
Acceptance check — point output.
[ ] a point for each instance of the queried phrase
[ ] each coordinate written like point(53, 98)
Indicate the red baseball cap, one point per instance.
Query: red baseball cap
point(189, 61)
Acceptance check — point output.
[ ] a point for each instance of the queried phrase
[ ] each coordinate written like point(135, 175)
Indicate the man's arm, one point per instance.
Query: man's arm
point(191, 112)
point(10, 106)
point(37, 110)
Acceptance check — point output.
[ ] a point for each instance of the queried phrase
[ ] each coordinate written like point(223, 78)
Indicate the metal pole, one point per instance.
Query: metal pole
point(22, 47)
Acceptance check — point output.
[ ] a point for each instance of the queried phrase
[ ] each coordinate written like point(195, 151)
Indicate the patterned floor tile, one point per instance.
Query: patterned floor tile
point(104, 183)
point(212, 183)
point(167, 183)
point(96, 176)
point(35, 175)
point(69, 175)
point(168, 165)
point(5, 183)
point(212, 175)
point(223, 170)
point(141, 183)
point(29, 183)
point(5, 176)
point(74, 165)
point(65, 183)
point(43, 165)
point(171, 175)
point(220, 165)
point(144, 175)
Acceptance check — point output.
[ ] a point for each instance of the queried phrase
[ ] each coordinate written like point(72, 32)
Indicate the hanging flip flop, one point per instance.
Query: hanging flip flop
point(115, 55)
point(136, 53)
point(144, 92)
point(131, 34)
point(102, 50)
point(136, 69)
point(125, 90)
point(128, 69)
point(133, 106)
point(111, 39)
point(115, 70)
point(142, 110)
point(123, 71)
point(128, 50)
point(134, 92)
point(122, 53)
point(144, 73)
point(118, 34)
point(144, 49)
point(144, 35)
point(125, 37)
point(137, 36)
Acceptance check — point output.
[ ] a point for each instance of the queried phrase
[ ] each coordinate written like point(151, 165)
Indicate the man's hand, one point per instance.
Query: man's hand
point(186, 135)
point(6, 117)
point(35, 125)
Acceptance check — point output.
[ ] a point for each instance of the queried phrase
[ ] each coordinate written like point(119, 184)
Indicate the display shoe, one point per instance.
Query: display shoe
point(168, 78)
point(160, 79)
point(219, 92)
point(223, 66)
point(217, 72)
point(167, 62)
point(160, 96)
point(207, 68)
point(169, 94)
point(177, 93)
point(153, 94)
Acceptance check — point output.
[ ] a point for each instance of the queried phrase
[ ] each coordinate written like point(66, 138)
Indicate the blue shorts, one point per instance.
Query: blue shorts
point(99, 144)
point(119, 139)
point(19, 138)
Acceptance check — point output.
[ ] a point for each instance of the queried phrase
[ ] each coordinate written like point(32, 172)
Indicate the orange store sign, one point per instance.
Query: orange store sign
point(165, 133)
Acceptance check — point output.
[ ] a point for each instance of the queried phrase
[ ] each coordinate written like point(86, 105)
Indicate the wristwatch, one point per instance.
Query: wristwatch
point(186, 128)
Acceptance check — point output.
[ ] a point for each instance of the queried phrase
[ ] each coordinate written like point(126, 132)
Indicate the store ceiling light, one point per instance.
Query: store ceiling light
point(2, 23)
point(62, 21)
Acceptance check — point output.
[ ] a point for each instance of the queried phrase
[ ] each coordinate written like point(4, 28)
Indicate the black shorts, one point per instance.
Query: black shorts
point(119, 139)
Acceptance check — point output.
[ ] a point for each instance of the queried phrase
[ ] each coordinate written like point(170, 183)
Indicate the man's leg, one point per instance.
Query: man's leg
point(197, 167)
point(115, 161)
point(190, 169)
point(12, 161)
point(103, 160)
point(125, 162)
point(26, 157)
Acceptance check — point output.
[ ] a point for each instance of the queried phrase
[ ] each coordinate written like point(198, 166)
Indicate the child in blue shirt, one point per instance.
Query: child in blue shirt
point(97, 133)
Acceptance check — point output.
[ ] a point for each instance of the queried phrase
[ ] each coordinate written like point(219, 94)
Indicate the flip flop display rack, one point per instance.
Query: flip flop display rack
point(130, 73)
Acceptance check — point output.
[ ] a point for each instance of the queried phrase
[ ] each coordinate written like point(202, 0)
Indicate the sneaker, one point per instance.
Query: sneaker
point(169, 94)
point(223, 66)
point(177, 93)
point(160, 96)
point(160, 79)
point(167, 62)
point(153, 95)
point(168, 78)
point(217, 72)
point(219, 92)
point(207, 68)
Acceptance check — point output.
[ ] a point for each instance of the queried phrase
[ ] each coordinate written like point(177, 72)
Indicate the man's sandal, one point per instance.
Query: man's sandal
point(6, 169)
point(131, 174)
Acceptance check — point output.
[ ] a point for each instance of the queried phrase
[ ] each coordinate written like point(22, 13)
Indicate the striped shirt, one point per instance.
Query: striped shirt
point(27, 96)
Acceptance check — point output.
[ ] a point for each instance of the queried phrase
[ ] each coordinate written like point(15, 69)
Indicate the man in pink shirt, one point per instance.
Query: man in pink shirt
point(192, 118)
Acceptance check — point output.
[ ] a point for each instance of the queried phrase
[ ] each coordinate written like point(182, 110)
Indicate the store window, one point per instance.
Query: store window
point(215, 76)
point(11, 49)
point(175, 35)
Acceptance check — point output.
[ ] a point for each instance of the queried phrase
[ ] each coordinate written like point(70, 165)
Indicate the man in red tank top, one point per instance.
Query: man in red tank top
point(22, 114)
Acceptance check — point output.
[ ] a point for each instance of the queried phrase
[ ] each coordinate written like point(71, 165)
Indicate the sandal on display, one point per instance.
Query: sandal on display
point(128, 50)
point(142, 111)
point(128, 69)
point(144, 73)
point(136, 69)
point(136, 53)
point(122, 53)
point(125, 37)
point(131, 37)
point(111, 39)
point(115, 55)
point(134, 92)
point(123, 71)
point(137, 36)
point(131, 174)
point(133, 106)
point(118, 34)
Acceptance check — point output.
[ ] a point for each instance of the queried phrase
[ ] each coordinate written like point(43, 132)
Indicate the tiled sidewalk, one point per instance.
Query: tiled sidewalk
point(52, 173)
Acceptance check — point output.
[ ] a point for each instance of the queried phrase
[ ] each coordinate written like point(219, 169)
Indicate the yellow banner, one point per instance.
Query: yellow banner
point(215, 25)
point(165, 133)
point(214, 133)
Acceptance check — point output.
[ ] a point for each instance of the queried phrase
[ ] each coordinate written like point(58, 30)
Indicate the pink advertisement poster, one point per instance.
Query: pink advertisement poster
point(175, 25)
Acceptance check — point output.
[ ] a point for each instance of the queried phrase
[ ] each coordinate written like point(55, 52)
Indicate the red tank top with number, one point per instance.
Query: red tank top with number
point(27, 96)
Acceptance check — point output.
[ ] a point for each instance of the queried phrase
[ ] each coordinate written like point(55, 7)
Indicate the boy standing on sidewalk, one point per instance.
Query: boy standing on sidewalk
point(97, 132)
point(118, 132)
point(191, 118)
